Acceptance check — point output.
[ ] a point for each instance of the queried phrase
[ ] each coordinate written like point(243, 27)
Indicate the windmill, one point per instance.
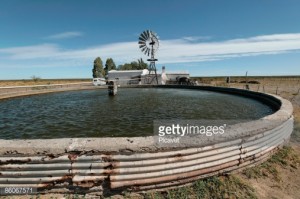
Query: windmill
point(148, 43)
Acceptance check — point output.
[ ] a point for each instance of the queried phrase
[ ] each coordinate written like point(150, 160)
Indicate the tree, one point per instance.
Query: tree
point(139, 65)
point(142, 64)
point(109, 65)
point(98, 68)
point(134, 65)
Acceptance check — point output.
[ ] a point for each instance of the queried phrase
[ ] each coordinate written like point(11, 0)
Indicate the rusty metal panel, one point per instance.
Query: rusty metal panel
point(145, 172)
point(54, 172)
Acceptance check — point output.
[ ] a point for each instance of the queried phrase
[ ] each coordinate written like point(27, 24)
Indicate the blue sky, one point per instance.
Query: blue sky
point(60, 39)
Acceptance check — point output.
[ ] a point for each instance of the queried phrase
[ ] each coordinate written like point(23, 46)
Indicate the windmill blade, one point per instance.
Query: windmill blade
point(142, 48)
point(155, 35)
point(141, 38)
point(151, 33)
point(146, 50)
point(142, 45)
point(148, 34)
point(148, 42)
point(145, 35)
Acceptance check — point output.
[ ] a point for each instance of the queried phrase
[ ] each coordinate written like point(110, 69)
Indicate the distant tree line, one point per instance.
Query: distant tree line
point(100, 71)
point(134, 65)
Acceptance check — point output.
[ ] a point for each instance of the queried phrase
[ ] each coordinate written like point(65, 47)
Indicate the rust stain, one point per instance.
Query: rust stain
point(51, 156)
point(86, 184)
point(12, 161)
point(178, 157)
point(46, 185)
point(72, 157)
point(115, 164)
point(111, 171)
point(107, 158)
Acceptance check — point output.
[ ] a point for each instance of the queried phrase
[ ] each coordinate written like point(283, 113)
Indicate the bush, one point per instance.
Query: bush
point(35, 78)
point(250, 82)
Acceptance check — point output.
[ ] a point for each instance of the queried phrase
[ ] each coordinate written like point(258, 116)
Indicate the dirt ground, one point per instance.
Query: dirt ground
point(4, 83)
point(288, 187)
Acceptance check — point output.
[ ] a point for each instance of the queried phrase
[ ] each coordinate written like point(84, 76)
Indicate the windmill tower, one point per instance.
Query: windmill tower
point(149, 43)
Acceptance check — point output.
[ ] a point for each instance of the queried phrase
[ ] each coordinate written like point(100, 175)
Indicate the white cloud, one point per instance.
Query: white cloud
point(65, 35)
point(171, 51)
point(196, 38)
point(30, 52)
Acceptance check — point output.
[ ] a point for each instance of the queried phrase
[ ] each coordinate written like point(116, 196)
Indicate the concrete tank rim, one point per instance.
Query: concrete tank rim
point(137, 144)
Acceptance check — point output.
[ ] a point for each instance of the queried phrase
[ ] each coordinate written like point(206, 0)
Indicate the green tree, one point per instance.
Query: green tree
point(98, 68)
point(109, 65)
point(135, 65)
point(142, 64)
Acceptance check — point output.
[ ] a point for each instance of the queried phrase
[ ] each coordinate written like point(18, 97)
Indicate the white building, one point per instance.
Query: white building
point(129, 77)
point(125, 77)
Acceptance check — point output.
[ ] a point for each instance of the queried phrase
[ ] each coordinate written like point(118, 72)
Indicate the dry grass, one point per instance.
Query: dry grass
point(286, 158)
point(40, 82)
point(288, 85)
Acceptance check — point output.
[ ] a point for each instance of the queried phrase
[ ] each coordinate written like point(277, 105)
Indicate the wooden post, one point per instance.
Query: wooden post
point(112, 88)
point(247, 86)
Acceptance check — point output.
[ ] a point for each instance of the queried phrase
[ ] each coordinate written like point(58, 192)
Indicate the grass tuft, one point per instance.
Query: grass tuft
point(285, 157)
point(215, 187)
